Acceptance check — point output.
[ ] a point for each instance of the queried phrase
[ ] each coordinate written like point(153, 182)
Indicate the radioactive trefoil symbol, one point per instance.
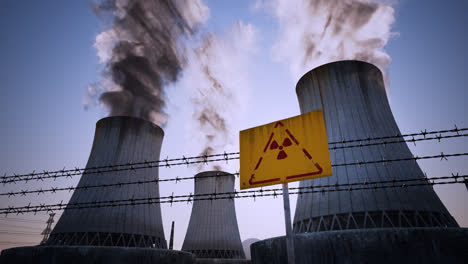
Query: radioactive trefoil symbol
point(281, 154)
point(272, 144)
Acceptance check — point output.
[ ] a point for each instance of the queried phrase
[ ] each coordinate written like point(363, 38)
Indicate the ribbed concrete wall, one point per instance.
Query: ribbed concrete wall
point(118, 140)
point(93, 255)
point(354, 102)
point(378, 245)
point(213, 231)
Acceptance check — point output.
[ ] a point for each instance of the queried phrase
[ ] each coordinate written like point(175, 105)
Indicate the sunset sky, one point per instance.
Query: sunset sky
point(48, 61)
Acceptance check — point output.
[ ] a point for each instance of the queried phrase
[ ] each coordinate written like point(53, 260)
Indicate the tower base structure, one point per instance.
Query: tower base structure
point(93, 255)
point(379, 245)
point(221, 261)
point(213, 234)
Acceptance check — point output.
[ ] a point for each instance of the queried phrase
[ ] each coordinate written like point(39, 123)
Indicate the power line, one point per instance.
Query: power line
point(218, 157)
point(404, 183)
point(384, 161)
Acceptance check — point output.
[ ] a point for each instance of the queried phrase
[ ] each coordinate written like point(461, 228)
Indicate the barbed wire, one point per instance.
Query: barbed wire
point(422, 133)
point(402, 183)
point(118, 184)
point(442, 156)
point(108, 168)
point(413, 140)
point(218, 157)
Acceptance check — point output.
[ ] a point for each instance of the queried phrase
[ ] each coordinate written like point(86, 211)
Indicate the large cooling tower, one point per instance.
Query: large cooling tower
point(353, 99)
point(213, 230)
point(118, 140)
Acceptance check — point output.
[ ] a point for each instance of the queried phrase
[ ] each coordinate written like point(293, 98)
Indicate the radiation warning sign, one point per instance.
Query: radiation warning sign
point(292, 149)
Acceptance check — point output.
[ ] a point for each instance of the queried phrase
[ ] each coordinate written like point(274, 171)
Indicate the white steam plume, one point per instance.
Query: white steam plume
point(217, 79)
point(315, 32)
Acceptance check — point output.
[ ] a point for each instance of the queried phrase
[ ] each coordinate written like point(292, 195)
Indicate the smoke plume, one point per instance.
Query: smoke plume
point(217, 79)
point(143, 53)
point(315, 32)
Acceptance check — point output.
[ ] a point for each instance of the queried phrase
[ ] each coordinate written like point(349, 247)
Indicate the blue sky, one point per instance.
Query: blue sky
point(47, 60)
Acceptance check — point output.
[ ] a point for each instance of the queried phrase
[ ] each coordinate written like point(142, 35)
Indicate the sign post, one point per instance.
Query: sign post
point(292, 149)
point(287, 221)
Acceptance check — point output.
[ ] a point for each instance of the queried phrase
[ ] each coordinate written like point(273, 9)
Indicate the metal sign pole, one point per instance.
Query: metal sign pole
point(287, 218)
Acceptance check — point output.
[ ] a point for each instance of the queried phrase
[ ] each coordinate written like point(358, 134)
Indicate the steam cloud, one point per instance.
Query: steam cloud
point(143, 53)
point(217, 76)
point(146, 49)
point(315, 32)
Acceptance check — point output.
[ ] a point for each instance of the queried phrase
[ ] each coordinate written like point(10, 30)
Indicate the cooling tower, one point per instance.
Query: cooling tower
point(212, 231)
point(118, 140)
point(373, 225)
point(353, 99)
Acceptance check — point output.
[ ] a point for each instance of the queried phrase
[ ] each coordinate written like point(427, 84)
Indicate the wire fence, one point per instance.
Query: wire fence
point(226, 156)
point(374, 185)
point(383, 161)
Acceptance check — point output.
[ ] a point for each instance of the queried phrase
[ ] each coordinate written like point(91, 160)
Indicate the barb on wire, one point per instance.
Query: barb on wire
point(185, 160)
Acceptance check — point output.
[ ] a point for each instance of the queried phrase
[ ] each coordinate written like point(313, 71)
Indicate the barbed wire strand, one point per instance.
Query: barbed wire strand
point(413, 140)
point(206, 158)
point(422, 133)
point(232, 195)
point(442, 156)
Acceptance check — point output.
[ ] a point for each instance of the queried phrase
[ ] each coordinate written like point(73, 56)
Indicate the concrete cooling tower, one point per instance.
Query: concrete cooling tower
point(353, 99)
point(118, 140)
point(118, 234)
point(381, 225)
point(212, 232)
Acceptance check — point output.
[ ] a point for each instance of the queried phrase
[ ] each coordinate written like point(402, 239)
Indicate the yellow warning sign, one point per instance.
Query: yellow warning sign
point(288, 150)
